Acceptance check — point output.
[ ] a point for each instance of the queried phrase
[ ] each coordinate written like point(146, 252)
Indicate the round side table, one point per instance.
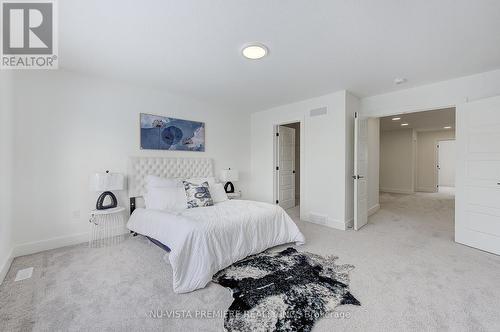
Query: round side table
point(107, 227)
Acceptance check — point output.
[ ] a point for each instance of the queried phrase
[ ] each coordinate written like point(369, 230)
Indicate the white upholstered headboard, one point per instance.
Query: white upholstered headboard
point(140, 167)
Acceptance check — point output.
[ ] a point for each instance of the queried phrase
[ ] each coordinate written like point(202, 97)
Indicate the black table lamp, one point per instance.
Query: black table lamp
point(105, 182)
point(228, 175)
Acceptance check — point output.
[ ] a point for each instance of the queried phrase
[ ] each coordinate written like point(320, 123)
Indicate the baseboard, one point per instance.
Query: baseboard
point(430, 189)
point(53, 243)
point(4, 268)
point(373, 209)
point(396, 191)
point(329, 223)
point(337, 224)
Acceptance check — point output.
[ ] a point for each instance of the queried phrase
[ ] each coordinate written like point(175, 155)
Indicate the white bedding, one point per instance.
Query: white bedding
point(206, 240)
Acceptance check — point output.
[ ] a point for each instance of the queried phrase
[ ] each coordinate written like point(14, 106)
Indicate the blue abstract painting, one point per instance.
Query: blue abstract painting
point(163, 133)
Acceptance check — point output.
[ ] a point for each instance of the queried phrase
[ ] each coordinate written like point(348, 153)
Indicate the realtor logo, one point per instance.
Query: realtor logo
point(28, 35)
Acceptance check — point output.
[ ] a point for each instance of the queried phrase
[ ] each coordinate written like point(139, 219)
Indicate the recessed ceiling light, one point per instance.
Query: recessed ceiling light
point(399, 80)
point(404, 124)
point(396, 119)
point(447, 127)
point(254, 51)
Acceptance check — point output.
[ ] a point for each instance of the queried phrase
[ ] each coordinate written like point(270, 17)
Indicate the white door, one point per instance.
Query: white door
point(286, 171)
point(477, 212)
point(360, 171)
point(446, 163)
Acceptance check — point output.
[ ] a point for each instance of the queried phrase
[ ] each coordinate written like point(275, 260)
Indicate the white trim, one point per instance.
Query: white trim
point(427, 189)
point(374, 209)
point(397, 191)
point(4, 268)
point(332, 223)
point(337, 224)
point(48, 244)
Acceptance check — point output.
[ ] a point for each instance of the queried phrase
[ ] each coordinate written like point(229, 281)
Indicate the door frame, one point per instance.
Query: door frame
point(395, 112)
point(276, 160)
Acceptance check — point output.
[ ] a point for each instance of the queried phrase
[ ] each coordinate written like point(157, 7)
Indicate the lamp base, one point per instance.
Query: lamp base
point(229, 188)
point(100, 201)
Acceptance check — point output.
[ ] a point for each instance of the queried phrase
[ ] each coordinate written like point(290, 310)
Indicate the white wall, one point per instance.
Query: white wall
point(397, 161)
point(426, 165)
point(6, 169)
point(433, 96)
point(68, 126)
point(324, 142)
point(446, 161)
point(373, 164)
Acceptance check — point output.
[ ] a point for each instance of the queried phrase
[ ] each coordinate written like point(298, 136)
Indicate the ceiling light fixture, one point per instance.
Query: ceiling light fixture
point(399, 80)
point(254, 51)
point(404, 124)
point(447, 127)
point(396, 119)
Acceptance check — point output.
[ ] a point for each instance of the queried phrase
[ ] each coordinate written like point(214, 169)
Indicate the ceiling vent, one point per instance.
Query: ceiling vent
point(319, 111)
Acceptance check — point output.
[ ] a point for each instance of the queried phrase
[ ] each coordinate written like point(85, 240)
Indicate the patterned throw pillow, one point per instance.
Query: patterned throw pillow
point(197, 195)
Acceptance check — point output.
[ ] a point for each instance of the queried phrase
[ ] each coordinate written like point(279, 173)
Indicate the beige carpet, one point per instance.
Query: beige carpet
point(409, 276)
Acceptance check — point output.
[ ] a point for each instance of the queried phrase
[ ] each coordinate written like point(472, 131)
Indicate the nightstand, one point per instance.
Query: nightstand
point(107, 227)
point(236, 195)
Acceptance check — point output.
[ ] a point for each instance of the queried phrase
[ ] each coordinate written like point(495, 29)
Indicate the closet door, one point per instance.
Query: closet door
point(477, 214)
point(286, 172)
point(360, 171)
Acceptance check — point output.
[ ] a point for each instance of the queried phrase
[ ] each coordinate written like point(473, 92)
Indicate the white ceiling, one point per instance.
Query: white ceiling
point(192, 47)
point(421, 121)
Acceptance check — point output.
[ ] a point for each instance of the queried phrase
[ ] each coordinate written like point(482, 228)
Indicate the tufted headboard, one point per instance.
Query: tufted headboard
point(140, 167)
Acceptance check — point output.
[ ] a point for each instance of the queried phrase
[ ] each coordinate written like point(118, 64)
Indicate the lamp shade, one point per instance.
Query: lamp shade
point(229, 175)
point(107, 181)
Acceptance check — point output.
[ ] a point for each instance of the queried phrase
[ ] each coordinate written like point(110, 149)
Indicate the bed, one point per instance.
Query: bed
point(203, 241)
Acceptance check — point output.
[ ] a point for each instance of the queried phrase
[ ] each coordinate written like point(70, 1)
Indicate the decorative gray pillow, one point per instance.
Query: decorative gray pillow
point(198, 195)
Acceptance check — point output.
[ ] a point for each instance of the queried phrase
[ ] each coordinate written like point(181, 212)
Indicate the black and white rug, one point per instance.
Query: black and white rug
point(284, 291)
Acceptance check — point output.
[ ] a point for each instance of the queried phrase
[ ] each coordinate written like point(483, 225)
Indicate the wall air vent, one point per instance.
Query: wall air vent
point(318, 111)
point(318, 218)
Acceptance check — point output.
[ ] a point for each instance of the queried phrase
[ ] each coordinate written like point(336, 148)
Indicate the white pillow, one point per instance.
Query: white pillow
point(171, 199)
point(153, 181)
point(217, 192)
point(198, 181)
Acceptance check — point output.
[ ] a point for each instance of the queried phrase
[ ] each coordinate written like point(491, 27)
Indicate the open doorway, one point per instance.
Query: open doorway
point(287, 160)
point(411, 169)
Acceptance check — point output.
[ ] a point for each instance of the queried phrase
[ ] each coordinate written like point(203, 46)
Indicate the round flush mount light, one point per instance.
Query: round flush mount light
point(396, 119)
point(254, 51)
point(399, 80)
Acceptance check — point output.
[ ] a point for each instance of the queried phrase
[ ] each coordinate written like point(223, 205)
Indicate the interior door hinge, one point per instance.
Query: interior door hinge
point(277, 201)
point(277, 134)
point(277, 168)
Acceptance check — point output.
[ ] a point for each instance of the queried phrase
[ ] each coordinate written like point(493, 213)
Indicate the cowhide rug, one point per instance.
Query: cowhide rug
point(284, 291)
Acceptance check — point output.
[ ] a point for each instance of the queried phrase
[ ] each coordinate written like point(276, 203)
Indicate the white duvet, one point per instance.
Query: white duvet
point(206, 240)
